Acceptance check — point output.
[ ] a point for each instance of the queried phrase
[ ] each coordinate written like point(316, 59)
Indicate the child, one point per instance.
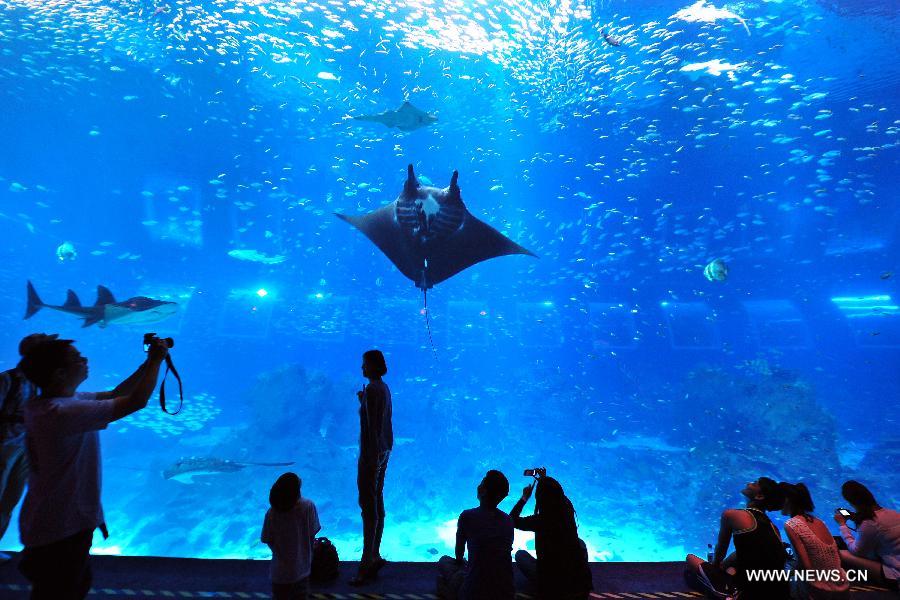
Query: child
point(289, 530)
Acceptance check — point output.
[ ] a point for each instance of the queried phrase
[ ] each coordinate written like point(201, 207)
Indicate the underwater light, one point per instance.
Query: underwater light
point(860, 300)
point(262, 293)
point(866, 306)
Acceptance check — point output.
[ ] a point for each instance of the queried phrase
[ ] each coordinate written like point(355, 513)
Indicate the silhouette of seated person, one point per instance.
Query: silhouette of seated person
point(487, 532)
point(757, 547)
point(289, 529)
point(875, 544)
point(814, 547)
point(561, 570)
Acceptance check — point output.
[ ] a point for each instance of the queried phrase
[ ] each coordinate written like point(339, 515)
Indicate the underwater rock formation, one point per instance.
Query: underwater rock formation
point(879, 469)
point(293, 402)
point(759, 421)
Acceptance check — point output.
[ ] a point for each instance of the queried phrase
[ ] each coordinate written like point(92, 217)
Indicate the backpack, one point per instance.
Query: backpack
point(325, 561)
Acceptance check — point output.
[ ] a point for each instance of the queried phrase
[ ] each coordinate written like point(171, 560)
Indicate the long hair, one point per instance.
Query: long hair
point(555, 508)
point(799, 499)
point(862, 500)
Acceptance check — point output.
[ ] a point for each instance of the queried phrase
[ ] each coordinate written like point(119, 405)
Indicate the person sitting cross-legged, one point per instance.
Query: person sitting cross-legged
point(487, 532)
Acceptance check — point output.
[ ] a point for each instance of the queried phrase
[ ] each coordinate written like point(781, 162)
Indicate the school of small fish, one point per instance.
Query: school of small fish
point(587, 151)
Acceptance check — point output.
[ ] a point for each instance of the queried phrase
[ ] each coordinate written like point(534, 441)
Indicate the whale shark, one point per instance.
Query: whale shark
point(134, 311)
point(186, 469)
point(429, 234)
point(405, 118)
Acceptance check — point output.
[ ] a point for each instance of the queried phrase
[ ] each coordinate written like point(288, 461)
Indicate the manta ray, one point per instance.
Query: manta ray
point(186, 469)
point(429, 235)
point(405, 118)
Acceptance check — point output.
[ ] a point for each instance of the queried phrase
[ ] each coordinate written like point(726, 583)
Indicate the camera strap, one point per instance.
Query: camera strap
point(170, 366)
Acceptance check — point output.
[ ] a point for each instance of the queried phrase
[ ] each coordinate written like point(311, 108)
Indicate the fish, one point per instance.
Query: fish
point(186, 469)
point(429, 235)
point(702, 12)
point(716, 270)
point(405, 118)
point(256, 256)
point(639, 442)
point(66, 252)
point(713, 67)
point(105, 311)
point(612, 41)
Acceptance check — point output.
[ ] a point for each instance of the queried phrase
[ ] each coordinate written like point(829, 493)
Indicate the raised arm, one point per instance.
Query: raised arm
point(520, 522)
point(127, 386)
point(865, 543)
point(144, 385)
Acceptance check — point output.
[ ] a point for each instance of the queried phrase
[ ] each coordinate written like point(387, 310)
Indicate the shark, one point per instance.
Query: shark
point(138, 310)
point(405, 118)
point(186, 469)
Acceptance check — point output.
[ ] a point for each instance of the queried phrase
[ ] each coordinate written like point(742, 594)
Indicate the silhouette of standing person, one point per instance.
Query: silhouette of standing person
point(62, 506)
point(376, 438)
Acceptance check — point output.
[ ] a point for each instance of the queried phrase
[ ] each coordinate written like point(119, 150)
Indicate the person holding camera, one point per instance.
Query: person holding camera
point(561, 570)
point(757, 547)
point(289, 529)
point(814, 547)
point(488, 533)
point(876, 545)
point(15, 392)
point(376, 439)
point(62, 506)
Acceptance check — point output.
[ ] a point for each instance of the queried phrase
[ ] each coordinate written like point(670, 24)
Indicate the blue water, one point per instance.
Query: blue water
point(157, 138)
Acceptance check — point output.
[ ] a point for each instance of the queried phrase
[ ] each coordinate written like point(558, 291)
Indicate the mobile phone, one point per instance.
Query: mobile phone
point(529, 472)
point(844, 512)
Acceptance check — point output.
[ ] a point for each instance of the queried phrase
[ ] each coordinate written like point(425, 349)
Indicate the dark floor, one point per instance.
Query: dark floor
point(123, 577)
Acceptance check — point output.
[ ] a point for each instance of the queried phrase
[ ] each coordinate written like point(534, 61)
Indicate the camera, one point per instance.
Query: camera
point(536, 472)
point(149, 337)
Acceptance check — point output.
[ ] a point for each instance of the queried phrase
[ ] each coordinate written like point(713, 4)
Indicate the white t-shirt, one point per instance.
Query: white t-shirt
point(63, 495)
point(290, 534)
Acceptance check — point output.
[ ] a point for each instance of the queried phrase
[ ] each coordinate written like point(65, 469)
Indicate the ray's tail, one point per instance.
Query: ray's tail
point(428, 321)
